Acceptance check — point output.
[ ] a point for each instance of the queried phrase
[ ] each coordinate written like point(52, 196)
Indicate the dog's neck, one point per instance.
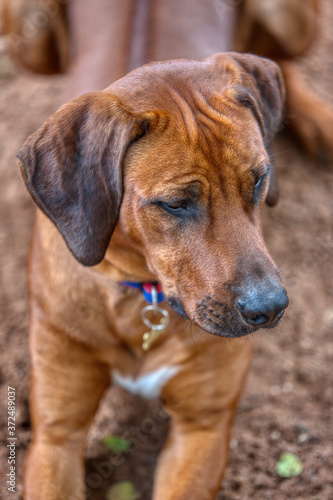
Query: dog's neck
point(124, 262)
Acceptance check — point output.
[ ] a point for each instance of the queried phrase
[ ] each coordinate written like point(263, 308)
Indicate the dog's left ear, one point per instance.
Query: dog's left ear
point(262, 90)
point(72, 167)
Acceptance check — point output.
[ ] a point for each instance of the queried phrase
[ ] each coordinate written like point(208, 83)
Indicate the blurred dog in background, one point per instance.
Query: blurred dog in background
point(98, 43)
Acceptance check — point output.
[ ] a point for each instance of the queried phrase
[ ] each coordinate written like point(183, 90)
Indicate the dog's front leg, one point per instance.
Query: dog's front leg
point(66, 386)
point(202, 400)
point(192, 464)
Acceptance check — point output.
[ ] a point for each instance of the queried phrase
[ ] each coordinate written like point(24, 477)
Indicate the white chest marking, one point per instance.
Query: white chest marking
point(149, 385)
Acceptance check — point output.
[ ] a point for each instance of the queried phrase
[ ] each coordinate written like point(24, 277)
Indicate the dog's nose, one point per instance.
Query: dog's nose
point(263, 308)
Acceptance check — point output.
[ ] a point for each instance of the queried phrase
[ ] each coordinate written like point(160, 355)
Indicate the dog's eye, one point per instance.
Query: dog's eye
point(174, 207)
point(258, 187)
point(183, 209)
point(258, 183)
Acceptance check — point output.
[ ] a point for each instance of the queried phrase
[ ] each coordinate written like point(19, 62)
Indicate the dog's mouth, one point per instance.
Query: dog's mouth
point(222, 320)
point(232, 328)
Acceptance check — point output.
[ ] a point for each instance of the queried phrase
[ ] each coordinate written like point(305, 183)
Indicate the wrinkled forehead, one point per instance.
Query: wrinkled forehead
point(209, 121)
point(206, 147)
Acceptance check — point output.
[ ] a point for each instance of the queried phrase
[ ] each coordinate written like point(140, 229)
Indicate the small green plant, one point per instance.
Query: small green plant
point(289, 465)
point(117, 444)
point(122, 491)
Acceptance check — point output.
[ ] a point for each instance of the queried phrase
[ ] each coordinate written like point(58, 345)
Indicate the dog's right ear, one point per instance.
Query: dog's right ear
point(72, 167)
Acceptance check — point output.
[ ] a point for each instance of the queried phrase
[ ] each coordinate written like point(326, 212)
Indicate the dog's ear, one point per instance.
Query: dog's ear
point(262, 90)
point(72, 167)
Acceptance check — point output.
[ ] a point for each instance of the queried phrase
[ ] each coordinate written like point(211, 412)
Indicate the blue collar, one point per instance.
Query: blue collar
point(146, 289)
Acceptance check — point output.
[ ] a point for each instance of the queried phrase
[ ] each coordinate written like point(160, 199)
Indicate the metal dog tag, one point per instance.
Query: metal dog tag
point(156, 329)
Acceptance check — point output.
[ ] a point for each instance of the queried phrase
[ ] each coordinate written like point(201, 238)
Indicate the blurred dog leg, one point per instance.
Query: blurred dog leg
point(283, 30)
point(310, 118)
point(38, 34)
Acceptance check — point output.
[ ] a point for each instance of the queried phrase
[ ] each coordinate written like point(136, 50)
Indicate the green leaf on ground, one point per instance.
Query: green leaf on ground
point(122, 491)
point(289, 465)
point(117, 444)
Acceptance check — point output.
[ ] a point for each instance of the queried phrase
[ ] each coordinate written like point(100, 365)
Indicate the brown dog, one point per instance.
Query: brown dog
point(171, 162)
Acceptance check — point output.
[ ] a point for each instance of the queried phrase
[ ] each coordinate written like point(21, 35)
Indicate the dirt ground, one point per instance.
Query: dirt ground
point(288, 402)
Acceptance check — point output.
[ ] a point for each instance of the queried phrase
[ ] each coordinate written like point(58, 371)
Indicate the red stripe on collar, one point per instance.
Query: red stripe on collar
point(146, 289)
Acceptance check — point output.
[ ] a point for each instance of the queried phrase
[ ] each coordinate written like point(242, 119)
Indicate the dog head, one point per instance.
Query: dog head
point(175, 155)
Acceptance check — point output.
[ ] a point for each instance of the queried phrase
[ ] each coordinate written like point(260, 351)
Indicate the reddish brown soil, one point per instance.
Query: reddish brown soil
point(287, 404)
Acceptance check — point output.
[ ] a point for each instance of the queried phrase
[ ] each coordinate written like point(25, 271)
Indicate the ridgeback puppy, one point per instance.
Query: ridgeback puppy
point(157, 182)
